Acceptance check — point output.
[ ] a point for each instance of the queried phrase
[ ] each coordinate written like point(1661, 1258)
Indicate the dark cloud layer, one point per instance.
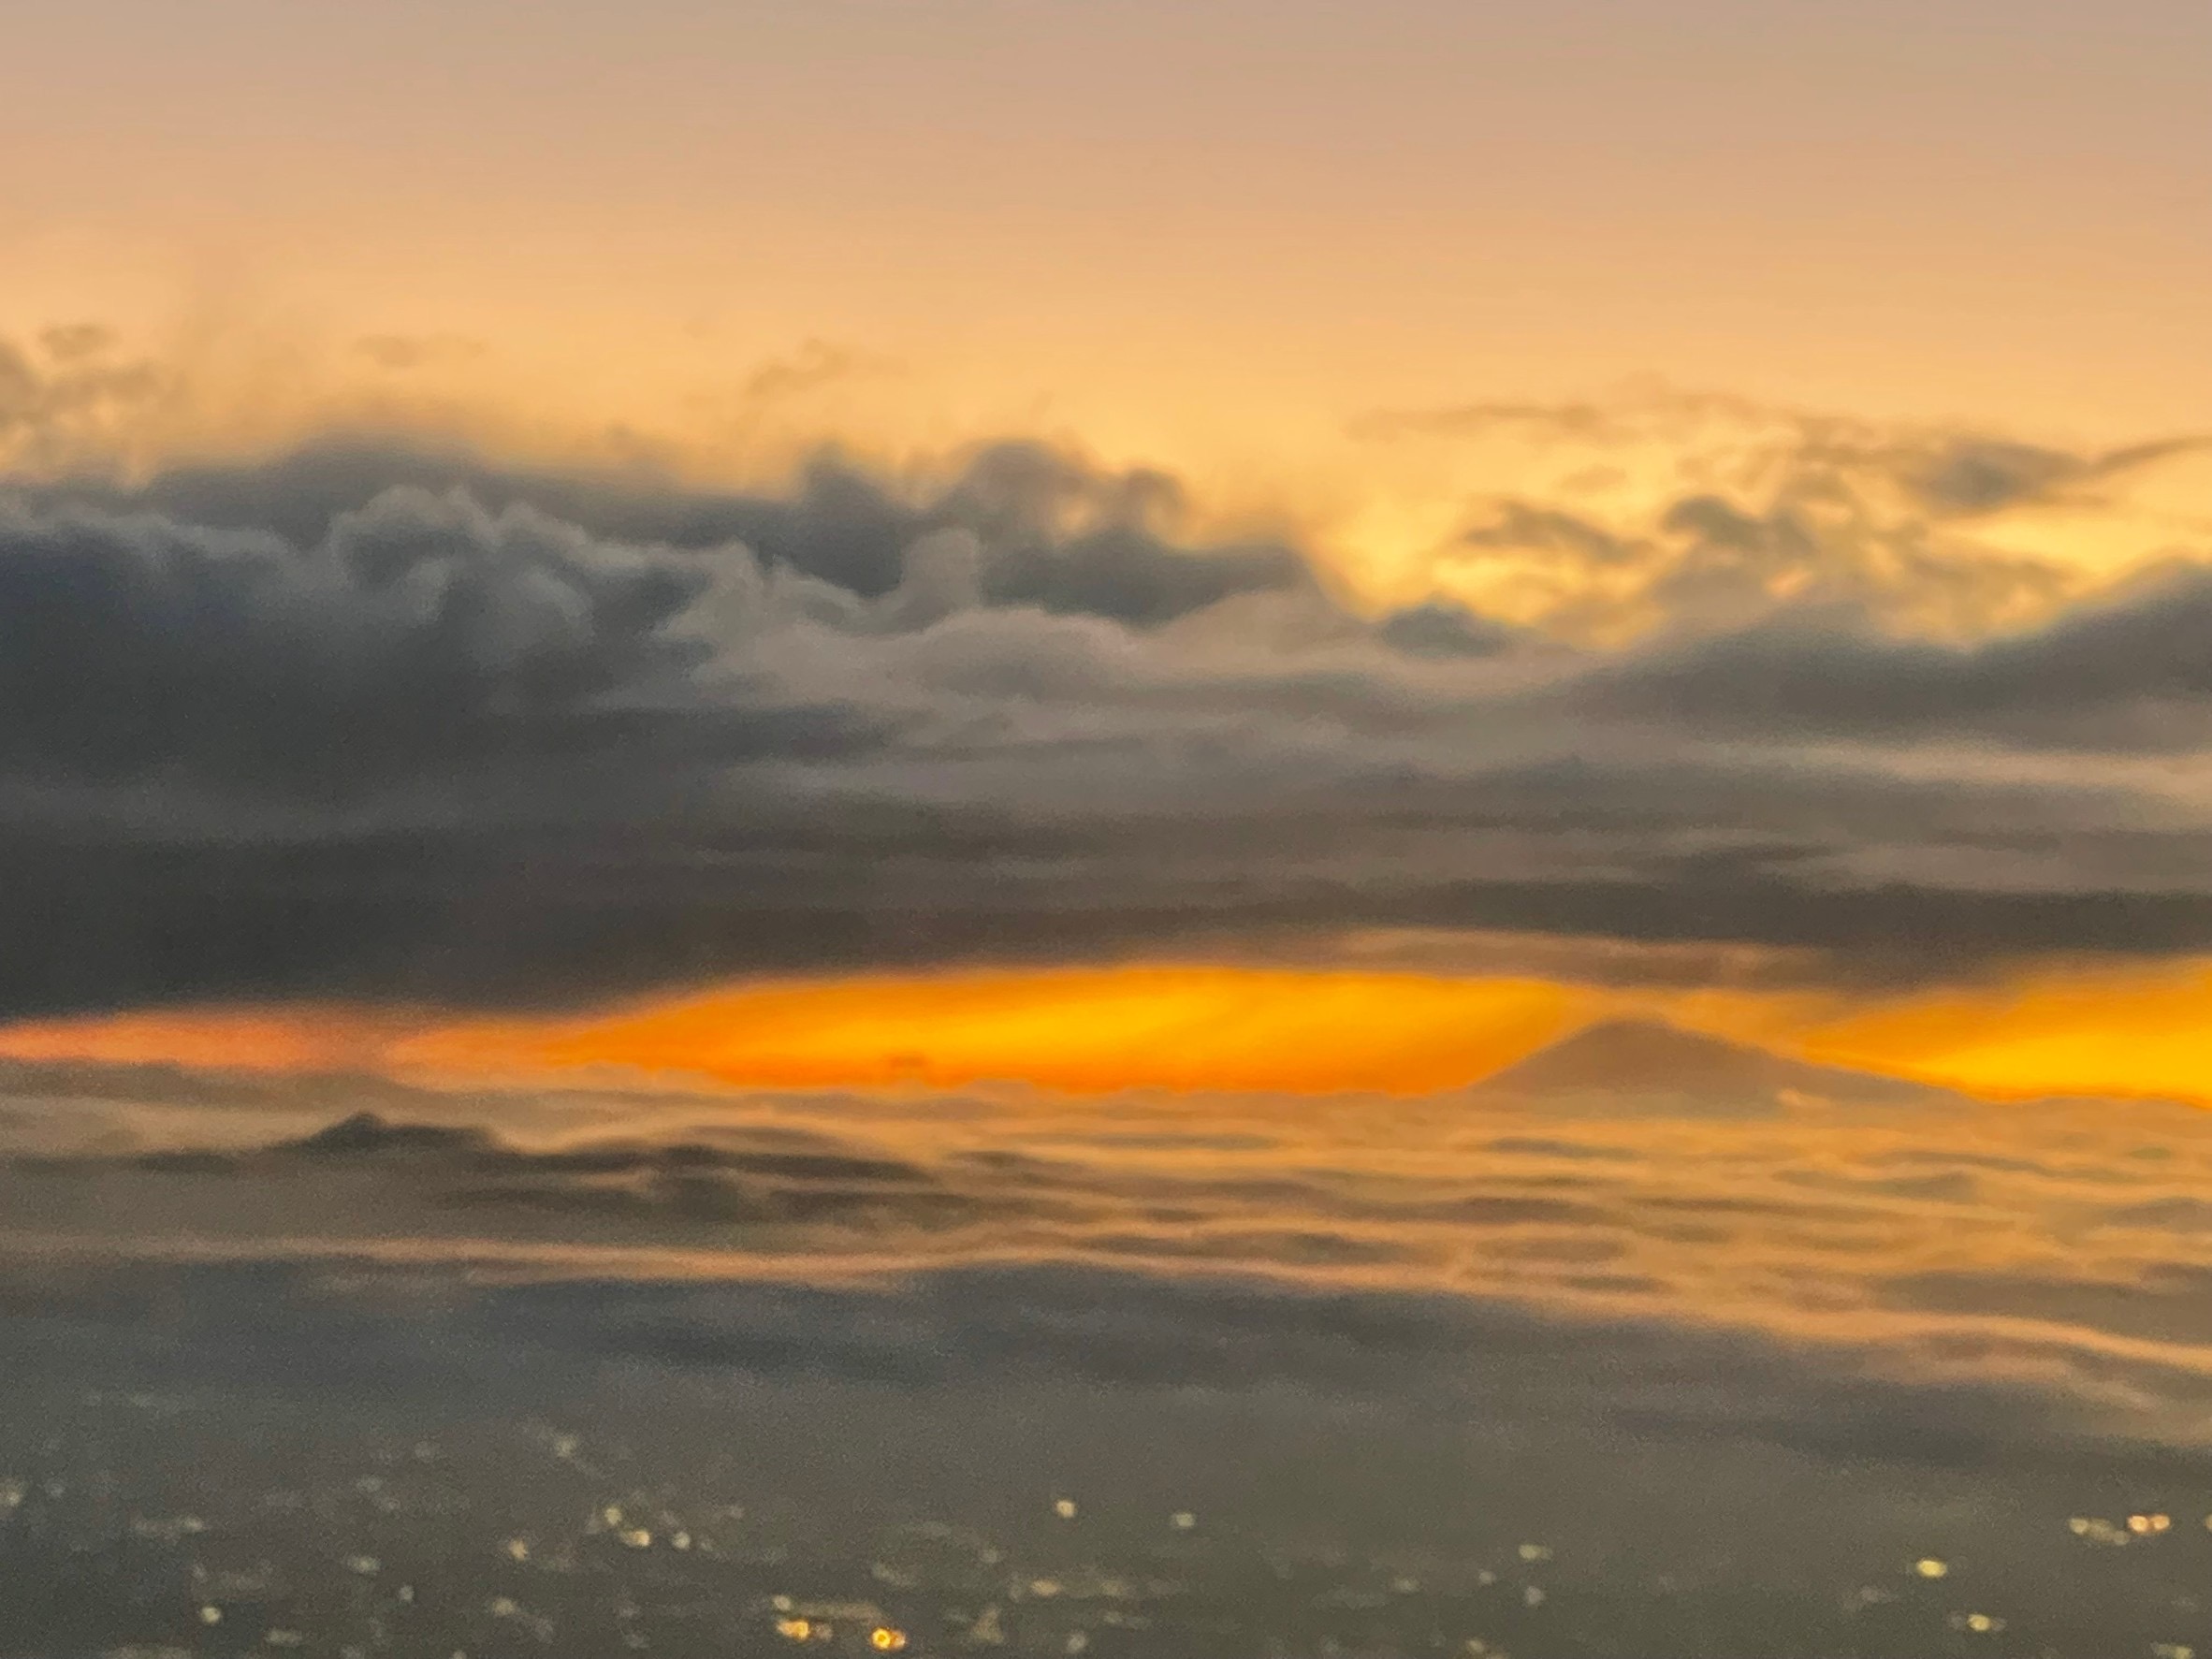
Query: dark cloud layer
point(396, 723)
point(1052, 533)
point(2133, 672)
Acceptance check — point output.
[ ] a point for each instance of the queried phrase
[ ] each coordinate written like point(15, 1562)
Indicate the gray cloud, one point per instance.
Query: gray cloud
point(1052, 533)
point(396, 723)
point(2133, 672)
point(421, 633)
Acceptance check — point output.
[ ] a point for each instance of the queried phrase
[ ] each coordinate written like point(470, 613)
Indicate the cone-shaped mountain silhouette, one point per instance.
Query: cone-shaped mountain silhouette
point(1649, 1065)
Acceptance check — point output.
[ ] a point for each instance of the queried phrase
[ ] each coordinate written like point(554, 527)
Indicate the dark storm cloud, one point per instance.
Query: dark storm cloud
point(388, 723)
point(1051, 532)
point(2130, 673)
point(420, 634)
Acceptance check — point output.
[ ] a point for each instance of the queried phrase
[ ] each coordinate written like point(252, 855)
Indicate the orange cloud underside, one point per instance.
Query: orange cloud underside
point(1084, 1030)
point(2140, 1032)
point(1190, 1028)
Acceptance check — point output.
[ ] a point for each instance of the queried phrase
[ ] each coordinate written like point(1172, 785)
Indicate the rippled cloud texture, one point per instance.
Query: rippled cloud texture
point(1628, 1327)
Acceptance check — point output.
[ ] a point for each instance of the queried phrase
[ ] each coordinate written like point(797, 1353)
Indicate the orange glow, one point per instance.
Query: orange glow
point(2117, 1033)
point(292, 1039)
point(1082, 1030)
point(2139, 1033)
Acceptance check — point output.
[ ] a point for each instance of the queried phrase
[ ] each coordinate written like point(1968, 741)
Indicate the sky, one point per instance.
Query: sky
point(1112, 546)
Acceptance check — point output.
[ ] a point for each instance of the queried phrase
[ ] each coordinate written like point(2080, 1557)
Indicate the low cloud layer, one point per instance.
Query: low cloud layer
point(328, 1336)
point(1945, 1283)
point(392, 723)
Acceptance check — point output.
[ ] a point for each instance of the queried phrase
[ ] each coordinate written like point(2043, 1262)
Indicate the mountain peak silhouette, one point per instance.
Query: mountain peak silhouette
point(1650, 1062)
point(365, 1134)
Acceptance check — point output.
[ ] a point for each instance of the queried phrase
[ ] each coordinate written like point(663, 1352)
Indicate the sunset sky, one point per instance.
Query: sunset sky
point(1199, 546)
